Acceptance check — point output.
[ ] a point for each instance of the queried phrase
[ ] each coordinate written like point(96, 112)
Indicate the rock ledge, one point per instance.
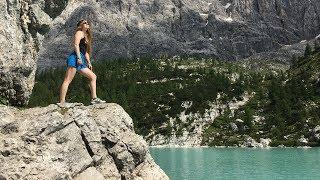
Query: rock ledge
point(79, 142)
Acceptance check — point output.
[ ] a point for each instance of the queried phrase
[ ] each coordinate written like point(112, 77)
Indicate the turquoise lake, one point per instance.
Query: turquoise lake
point(238, 163)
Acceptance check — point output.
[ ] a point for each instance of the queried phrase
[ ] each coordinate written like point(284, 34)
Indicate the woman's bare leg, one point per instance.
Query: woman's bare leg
point(67, 80)
point(93, 78)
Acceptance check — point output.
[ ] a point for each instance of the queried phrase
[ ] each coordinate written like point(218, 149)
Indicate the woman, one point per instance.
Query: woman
point(79, 60)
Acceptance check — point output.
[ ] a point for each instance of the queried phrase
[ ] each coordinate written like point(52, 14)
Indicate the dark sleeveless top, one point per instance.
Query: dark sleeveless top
point(82, 46)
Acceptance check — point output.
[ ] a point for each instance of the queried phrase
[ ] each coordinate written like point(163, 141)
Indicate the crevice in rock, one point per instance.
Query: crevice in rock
point(136, 156)
point(109, 144)
point(176, 25)
point(137, 159)
point(123, 177)
point(29, 139)
point(117, 162)
point(58, 128)
point(23, 13)
point(177, 3)
point(42, 130)
point(9, 128)
point(277, 8)
point(257, 7)
point(8, 8)
point(5, 153)
point(120, 5)
point(84, 139)
point(129, 7)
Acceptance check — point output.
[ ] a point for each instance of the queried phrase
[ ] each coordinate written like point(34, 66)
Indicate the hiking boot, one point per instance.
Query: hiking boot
point(97, 101)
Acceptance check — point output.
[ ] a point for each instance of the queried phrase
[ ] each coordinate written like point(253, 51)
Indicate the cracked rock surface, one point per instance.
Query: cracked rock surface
point(79, 142)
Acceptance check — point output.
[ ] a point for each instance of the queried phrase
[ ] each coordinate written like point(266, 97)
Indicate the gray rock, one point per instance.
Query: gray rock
point(316, 129)
point(265, 142)
point(22, 23)
point(234, 127)
point(302, 140)
point(79, 142)
point(131, 28)
point(2, 177)
point(239, 120)
point(281, 146)
point(90, 173)
point(316, 132)
point(250, 142)
point(38, 34)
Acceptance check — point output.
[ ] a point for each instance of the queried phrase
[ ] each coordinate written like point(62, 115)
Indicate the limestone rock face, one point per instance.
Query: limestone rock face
point(22, 26)
point(228, 29)
point(38, 33)
point(79, 142)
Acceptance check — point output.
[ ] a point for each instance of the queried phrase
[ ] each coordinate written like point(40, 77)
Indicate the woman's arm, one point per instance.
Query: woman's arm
point(88, 60)
point(87, 57)
point(77, 38)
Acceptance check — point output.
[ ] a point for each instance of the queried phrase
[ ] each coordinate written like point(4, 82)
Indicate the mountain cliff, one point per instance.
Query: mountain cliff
point(38, 33)
point(75, 142)
point(227, 29)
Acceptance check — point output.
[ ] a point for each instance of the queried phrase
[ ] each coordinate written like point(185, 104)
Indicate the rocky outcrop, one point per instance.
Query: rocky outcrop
point(227, 29)
point(22, 27)
point(302, 141)
point(315, 133)
point(250, 142)
point(79, 142)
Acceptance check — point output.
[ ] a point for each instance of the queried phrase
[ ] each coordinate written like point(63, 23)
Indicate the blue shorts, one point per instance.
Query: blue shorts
point(72, 61)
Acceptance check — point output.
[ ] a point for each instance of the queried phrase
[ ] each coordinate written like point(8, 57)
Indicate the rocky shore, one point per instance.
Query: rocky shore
point(78, 142)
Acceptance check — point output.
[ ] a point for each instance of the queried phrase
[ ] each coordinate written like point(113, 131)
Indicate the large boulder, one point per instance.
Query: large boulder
point(79, 142)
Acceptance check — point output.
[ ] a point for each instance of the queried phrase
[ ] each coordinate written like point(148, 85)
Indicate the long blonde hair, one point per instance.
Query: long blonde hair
point(88, 33)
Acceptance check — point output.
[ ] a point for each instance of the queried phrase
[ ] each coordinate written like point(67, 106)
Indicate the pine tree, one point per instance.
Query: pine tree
point(316, 46)
point(307, 51)
point(294, 61)
point(248, 117)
